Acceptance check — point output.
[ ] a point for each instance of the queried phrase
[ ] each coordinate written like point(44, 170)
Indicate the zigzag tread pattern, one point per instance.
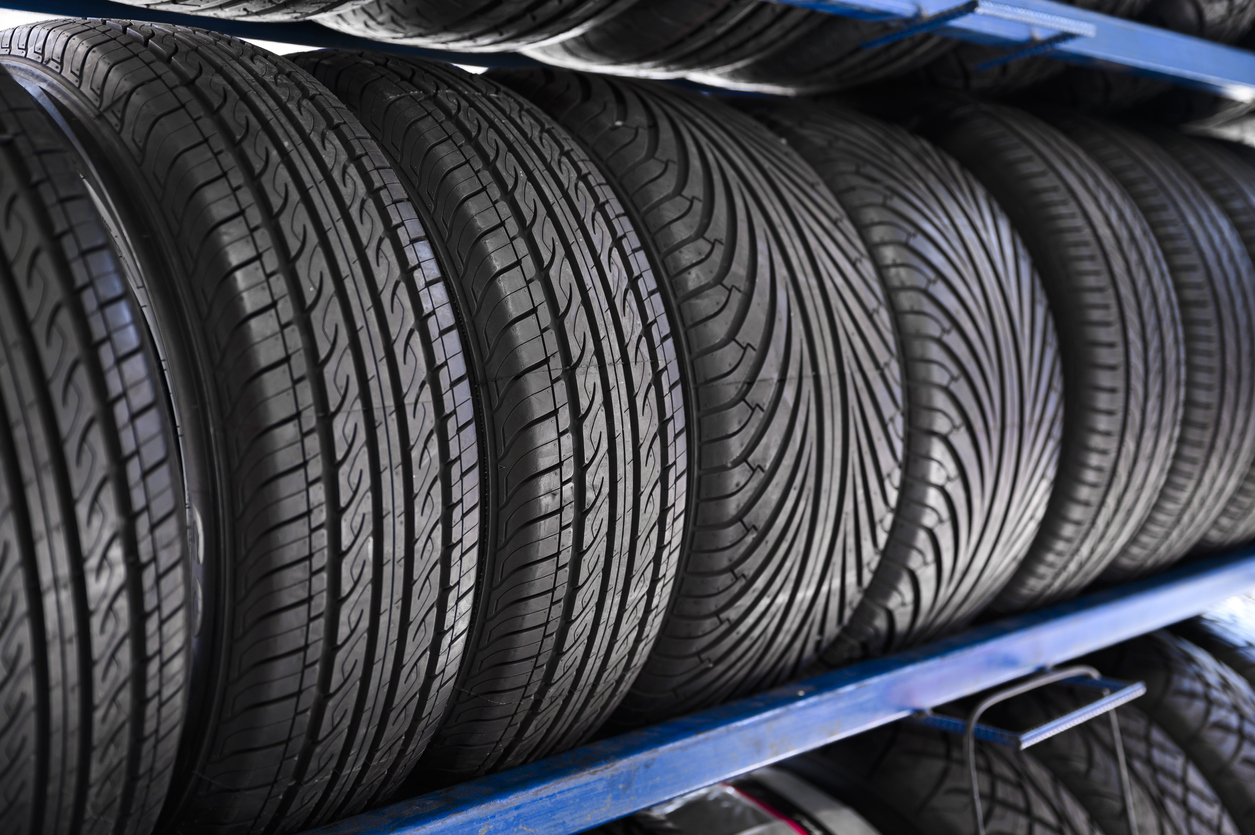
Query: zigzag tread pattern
point(981, 361)
point(95, 616)
point(584, 413)
point(276, 10)
point(1119, 335)
point(792, 370)
point(325, 350)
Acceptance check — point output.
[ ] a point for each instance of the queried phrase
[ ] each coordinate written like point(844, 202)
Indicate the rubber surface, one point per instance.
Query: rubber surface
point(1214, 282)
point(584, 412)
point(477, 26)
point(301, 314)
point(1170, 794)
point(1119, 334)
point(1207, 709)
point(984, 384)
point(95, 576)
point(1226, 632)
point(251, 9)
point(793, 371)
point(1229, 177)
point(922, 777)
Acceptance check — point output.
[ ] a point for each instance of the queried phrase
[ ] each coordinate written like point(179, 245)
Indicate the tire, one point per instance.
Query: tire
point(1226, 632)
point(1214, 282)
point(1206, 708)
point(828, 56)
point(479, 26)
point(249, 9)
point(1193, 110)
point(984, 410)
point(668, 38)
point(316, 366)
point(786, 523)
point(95, 578)
point(915, 781)
point(1229, 177)
point(586, 430)
point(1122, 352)
point(1170, 795)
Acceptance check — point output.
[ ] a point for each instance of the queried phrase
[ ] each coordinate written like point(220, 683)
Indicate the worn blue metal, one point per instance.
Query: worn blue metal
point(606, 780)
point(1042, 24)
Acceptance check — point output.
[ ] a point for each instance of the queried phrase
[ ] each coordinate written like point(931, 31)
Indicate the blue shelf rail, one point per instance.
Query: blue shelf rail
point(606, 780)
point(1062, 31)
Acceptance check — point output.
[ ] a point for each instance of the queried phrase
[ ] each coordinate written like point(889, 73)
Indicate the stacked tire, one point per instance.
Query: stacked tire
point(371, 425)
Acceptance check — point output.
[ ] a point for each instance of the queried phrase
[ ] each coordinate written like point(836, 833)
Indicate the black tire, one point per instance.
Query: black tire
point(1226, 632)
point(250, 9)
point(915, 781)
point(315, 362)
point(1228, 175)
point(1122, 348)
point(1214, 282)
point(95, 576)
point(828, 55)
point(790, 359)
point(981, 362)
point(1193, 110)
point(583, 407)
point(1170, 795)
point(1207, 709)
point(473, 26)
point(668, 38)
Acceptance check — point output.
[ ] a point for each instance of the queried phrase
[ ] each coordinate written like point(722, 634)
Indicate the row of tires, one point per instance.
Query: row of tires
point(371, 425)
point(1188, 750)
point(761, 46)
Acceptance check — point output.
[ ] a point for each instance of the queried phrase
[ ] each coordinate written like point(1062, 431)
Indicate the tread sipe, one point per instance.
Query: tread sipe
point(1226, 173)
point(789, 356)
point(474, 26)
point(95, 576)
point(915, 781)
point(250, 9)
point(303, 320)
point(1119, 336)
point(1207, 709)
point(1214, 282)
point(983, 382)
point(584, 414)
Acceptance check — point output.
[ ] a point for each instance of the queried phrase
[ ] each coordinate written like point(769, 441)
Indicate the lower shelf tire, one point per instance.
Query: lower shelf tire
point(274, 10)
point(584, 413)
point(95, 576)
point(981, 362)
point(1206, 708)
point(1226, 632)
point(478, 26)
point(316, 366)
point(1227, 173)
point(1122, 351)
point(1214, 281)
point(916, 781)
point(789, 355)
point(1169, 793)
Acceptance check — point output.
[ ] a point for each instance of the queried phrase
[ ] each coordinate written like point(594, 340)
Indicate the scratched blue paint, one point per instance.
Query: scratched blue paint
point(607, 780)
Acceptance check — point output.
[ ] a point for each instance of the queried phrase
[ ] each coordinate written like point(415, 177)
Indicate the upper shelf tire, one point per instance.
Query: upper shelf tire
point(249, 9)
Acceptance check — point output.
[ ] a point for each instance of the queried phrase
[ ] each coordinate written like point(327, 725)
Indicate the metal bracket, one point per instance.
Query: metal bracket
point(925, 24)
point(1115, 693)
point(1028, 51)
point(1065, 28)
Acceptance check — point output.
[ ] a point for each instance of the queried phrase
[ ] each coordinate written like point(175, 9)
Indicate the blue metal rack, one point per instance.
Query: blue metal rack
point(606, 780)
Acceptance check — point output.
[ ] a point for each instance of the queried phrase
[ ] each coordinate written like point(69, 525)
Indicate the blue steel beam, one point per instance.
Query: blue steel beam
point(1100, 39)
point(607, 780)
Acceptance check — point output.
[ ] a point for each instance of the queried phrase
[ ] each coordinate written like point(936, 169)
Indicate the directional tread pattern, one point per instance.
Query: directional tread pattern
point(1170, 795)
point(584, 415)
point(95, 576)
point(249, 9)
point(1214, 282)
point(326, 353)
point(1119, 335)
point(983, 379)
point(923, 775)
point(1207, 709)
point(792, 368)
point(475, 26)
point(1228, 175)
